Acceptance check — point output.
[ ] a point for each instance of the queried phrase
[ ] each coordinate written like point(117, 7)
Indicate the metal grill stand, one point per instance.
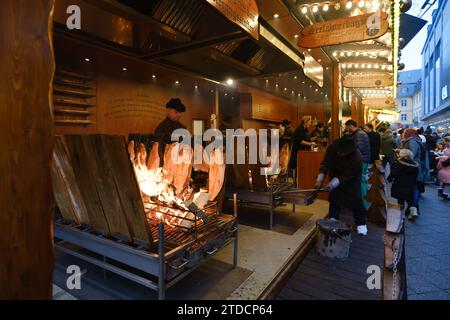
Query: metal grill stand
point(169, 264)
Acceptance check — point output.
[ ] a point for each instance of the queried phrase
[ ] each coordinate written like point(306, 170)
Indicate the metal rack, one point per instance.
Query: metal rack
point(173, 260)
point(280, 191)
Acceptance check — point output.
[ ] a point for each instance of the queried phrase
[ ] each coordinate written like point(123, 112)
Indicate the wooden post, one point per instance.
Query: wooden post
point(335, 126)
point(216, 107)
point(355, 111)
point(26, 139)
point(360, 108)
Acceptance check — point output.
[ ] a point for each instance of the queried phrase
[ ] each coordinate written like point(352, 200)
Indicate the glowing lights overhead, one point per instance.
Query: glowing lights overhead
point(230, 82)
point(373, 54)
point(276, 15)
point(365, 66)
point(362, 6)
point(376, 93)
point(395, 40)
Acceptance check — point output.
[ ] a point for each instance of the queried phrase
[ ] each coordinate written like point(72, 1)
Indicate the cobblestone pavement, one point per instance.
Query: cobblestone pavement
point(428, 249)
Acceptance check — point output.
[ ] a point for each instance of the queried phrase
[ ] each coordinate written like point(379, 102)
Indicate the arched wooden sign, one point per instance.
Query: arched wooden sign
point(352, 29)
point(244, 13)
point(368, 80)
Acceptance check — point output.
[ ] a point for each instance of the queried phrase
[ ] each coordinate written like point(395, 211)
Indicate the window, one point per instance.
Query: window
point(438, 75)
point(404, 117)
point(432, 85)
point(426, 101)
point(403, 103)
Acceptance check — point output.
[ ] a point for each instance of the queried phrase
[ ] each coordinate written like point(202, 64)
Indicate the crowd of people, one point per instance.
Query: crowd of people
point(412, 157)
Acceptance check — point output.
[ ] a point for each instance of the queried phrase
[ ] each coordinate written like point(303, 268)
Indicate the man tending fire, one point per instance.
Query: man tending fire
point(163, 132)
point(164, 180)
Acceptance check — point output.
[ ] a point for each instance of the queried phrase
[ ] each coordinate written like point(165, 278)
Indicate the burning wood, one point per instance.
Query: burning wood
point(166, 190)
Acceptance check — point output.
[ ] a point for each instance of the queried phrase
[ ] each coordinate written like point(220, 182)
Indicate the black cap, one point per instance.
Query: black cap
point(176, 104)
point(285, 122)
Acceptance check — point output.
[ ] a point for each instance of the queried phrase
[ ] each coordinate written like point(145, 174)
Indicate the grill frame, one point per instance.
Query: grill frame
point(280, 191)
point(169, 264)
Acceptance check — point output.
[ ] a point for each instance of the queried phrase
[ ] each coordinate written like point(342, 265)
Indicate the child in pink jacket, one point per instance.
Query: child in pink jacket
point(444, 173)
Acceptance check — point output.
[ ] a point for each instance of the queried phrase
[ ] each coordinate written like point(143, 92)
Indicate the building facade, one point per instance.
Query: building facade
point(436, 70)
point(407, 101)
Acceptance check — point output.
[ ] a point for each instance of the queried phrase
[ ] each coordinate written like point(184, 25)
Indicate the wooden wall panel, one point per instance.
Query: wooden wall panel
point(125, 106)
point(26, 139)
point(269, 107)
point(313, 109)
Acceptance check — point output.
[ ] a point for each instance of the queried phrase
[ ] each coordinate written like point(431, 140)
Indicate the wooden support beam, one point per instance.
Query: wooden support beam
point(26, 136)
point(335, 112)
point(198, 44)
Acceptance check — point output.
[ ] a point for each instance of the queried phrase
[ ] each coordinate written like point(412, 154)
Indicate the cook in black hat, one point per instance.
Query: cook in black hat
point(163, 132)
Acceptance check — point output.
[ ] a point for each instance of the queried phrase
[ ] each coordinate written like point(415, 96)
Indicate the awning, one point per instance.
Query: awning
point(410, 26)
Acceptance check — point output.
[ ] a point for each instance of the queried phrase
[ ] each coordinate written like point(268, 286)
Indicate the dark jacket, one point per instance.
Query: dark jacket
point(388, 145)
point(163, 134)
point(375, 146)
point(363, 144)
point(420, 155)
point(300, 134)
point(403, 175)
point(346, 165)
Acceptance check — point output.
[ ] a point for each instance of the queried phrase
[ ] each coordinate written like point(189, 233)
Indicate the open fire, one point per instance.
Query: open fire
point(166, 191)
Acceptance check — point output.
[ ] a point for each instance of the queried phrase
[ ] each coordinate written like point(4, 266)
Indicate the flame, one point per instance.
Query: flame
point(159, 194)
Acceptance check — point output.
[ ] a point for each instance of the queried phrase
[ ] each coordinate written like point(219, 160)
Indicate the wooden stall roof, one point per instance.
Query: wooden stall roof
point(189, 36)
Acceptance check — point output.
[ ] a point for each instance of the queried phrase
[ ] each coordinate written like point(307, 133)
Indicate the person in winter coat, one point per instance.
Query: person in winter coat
point(412, 142)
point(343, 165)
point(363, 145)
point(387, 147)
point(444, 172)
point(375, 142)
point(403, 176)
point(301, 141)
point(362, 139)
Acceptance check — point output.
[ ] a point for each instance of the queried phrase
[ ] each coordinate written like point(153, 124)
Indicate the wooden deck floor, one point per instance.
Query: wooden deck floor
point(319, 278)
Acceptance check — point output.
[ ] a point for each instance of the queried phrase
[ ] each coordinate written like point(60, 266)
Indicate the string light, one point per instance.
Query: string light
point(304, 9)
point(315, 8)
point(326, 7)
point(361, 4)
point(349, 4)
